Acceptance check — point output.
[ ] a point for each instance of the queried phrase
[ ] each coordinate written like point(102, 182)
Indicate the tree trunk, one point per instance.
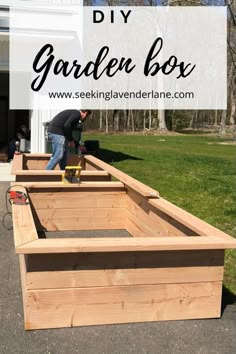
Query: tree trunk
point(132, 120)
point(116, 120)
point(194, 121)
point(162, 121)
point(128, 120)
point(223, 122)
point(233, 108)
point(216, 119)
point(100, 120)
point(150, 119)
point(107, 122)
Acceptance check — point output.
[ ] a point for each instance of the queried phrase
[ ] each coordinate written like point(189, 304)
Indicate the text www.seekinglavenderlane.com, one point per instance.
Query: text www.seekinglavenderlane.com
point(109, 95)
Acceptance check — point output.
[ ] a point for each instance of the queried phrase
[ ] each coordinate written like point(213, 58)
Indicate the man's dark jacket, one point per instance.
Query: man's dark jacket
point(65, 122)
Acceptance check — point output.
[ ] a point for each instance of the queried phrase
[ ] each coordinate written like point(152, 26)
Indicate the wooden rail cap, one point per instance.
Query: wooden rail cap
point(81, 185)
point(125, 244)
point(129, 182)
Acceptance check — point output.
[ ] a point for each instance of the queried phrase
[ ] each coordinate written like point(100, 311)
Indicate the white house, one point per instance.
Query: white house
point(12, 119)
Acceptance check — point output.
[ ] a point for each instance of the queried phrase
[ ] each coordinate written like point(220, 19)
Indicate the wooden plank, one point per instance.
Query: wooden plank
point(39, 161)
point(24, 228)
point(78, 186)
point(40, 172)
point(60, 173)
point(56, 176)
point(91, 166)
point(122, 304)
point(123, 177)
point(83, 173)
point(126, 244)
point(95, 176)
point(138, 228)
point(37, 155)
point(17, 164)
point(116, 277)
point(95, 173)
point(23, 223)
point(36, 161)
point(82, 219)
point(124, 260)
point(141, 212)
point(22, 261)
point(81, 213)
point(74, 160)
point(192, 222)
point(42, 198)
point(84, 199)
point(29, 178)
point(37, 164)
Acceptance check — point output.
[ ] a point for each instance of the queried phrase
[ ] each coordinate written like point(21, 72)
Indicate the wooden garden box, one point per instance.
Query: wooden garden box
point(165, 263)
point(31, 167)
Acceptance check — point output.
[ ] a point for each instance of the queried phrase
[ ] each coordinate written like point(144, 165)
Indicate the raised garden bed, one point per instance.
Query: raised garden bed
point(31, 167)
point(114, 252)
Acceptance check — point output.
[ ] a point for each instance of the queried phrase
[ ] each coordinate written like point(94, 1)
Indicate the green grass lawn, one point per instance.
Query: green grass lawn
point(194, 172)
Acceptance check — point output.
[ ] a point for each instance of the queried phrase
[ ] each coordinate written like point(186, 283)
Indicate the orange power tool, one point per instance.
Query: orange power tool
point(18, 197)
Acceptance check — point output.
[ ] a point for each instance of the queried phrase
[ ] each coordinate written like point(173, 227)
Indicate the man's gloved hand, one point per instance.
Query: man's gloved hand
point(83, 149)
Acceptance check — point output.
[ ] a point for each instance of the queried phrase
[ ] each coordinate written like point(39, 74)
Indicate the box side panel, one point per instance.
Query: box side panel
point(83, 210)
point(123, 268)
point(28, 177)
point(141, 212)
point(36, 162)
point(91, 166)
point(23, 274)
point(122, 304)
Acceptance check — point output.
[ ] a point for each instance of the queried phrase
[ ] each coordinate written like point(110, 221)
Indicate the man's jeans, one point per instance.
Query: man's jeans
point(59, 153)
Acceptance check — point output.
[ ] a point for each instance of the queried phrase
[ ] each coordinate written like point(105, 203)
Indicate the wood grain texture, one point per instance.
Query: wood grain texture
point(138, 228)
point(127, 268)
point(199, 226)
point(90, 166)
point(29, 178)
point(124, 260)
point(82, 219)
point(24, 230)
point(59, 186)
point(85, 199)
point(121, 304)
point(56, 176)
point(126, 244)
point(22, 262)
point(129, 182)
point(140, 212)
point(17, 164)
point(115, 277)
point(40, 172)
point(39, 161)
point(36, 155)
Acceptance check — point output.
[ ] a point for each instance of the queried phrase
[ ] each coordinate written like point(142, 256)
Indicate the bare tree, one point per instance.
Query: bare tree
point(223, 122)
point(101, 120)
